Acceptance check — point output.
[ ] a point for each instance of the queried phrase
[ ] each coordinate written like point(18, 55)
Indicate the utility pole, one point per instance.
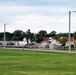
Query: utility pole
point(70, 30)
point(35, 37)
point(4, 35)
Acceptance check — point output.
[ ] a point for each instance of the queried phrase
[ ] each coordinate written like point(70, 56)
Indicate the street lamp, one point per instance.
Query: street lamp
point(70, 30)
point(35, 38)
point(5, 34)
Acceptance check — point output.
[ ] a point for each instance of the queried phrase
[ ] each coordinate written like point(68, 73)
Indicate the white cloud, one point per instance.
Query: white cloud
point(33, 9)
point(35, 18)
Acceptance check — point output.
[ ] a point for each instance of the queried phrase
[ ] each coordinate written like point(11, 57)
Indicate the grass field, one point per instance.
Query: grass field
point(17, 62)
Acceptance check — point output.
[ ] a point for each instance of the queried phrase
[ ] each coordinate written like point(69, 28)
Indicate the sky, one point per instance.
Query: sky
point(37, 15)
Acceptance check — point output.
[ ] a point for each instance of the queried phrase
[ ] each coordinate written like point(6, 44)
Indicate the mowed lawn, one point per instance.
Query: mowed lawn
point(18, 62)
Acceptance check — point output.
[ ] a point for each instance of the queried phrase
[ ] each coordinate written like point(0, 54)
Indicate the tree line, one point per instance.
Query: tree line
point(18, 35)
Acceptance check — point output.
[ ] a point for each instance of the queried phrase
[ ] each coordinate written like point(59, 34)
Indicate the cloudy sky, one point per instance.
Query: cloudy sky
point(37, 15)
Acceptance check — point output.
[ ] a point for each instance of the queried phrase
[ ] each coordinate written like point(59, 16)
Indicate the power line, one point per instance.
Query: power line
point(51, 21)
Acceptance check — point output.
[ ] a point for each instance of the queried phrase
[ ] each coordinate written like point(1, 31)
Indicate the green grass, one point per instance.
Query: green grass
point(18, 62)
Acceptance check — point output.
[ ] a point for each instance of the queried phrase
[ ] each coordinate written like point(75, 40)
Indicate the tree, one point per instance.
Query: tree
point(18, 32)
point(2, 39)
point(53, 33)
point(1, 36)
point(9, 35)
point(32, 37)
point(14, 38)
point(59, 35)
point(43, 33)
point(18, 35)
point(75, 35)
point(39, 38)
point(63, 40)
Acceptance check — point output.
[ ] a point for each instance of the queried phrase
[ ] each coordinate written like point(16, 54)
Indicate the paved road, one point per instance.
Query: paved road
point(47, 50)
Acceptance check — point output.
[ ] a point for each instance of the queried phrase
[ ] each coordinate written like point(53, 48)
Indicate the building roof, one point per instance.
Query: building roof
point(46, 39)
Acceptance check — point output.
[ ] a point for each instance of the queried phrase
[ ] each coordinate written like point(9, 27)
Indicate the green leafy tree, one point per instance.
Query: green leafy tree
point(63, 40)
point(9, 36)
point(34, 37)
point(59, 35)
point(52, 33)
point(18, 32)
point(2, 39)
point(75, 35)
point(18, 35)
point(14, 38)
point(39, 38)
point(1, 35)
point(43, 32)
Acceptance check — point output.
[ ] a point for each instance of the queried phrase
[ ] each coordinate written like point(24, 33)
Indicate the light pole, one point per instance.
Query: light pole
point(35, 38)
point(5, 34)
point(70, 30)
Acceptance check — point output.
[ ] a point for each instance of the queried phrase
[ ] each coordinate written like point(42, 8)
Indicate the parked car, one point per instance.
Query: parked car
point(10, 44)
point(1, 44)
